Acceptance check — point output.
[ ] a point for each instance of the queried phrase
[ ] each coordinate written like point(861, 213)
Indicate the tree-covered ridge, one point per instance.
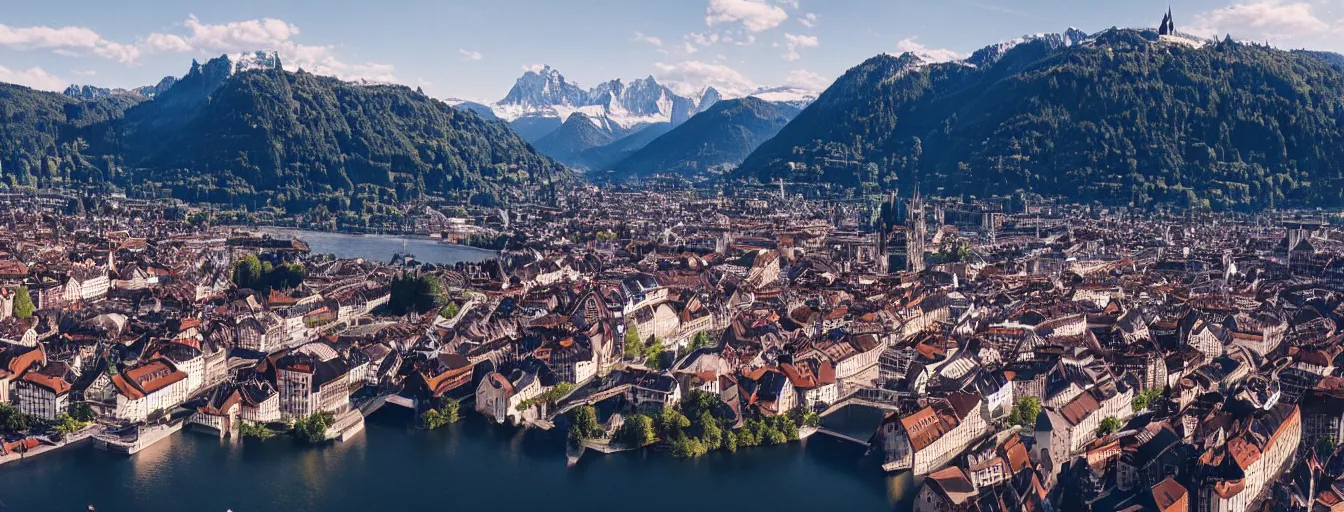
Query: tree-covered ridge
point(1124, 118)
point(40, 141)
point(570, 142)
point(297, 141)
point(719, 137)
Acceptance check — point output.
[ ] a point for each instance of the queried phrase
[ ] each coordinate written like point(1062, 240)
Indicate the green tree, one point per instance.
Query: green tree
point(414, 294)
point(583, 423)
point(449, 311)
point(1108, 425)
point(247, 272)
point(255, 430)
point(1145, 399)
point(83, 412)
point(11, 420)
point(23, 303)
point(313, 429)
point(701, 340)
point(433, 419)
point(67, 424)
point(636, 431)
point(1025, 411)
point(634, 345)
point(670, 422)
point(710, 433)
point(687, 447)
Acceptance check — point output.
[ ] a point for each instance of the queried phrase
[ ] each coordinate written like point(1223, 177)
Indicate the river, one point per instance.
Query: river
point(471, 465)
point(382, 247)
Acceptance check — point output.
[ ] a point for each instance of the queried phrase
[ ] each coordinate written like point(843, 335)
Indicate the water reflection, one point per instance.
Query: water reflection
point(472, 464)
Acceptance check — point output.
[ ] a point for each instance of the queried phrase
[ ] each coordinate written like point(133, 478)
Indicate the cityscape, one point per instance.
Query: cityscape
point(1070, 271)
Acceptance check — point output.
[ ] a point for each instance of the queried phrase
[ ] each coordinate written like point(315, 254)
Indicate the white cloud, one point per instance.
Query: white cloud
point(470, 54)
point(167, 42)
point(689, 77)
point(754, 15)
point(793, 42)
point(535, 68)
point(1271, 20)
point(34, 77)
point(912, 45)
point(639, 36)
point(690, 48)
point(66, 41)
point(85, 72)
point(702, 39)
point(805, 79)
point(808, 20)
point(268, 34)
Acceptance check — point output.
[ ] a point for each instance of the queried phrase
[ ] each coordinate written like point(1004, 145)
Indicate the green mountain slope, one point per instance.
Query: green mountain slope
point(300, 141)
point(718, 137)
point(1122, 118)
point(577, 135)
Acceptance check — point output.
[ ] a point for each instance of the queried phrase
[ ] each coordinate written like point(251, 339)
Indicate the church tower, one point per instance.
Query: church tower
point(1168, 26)
point(916, 228)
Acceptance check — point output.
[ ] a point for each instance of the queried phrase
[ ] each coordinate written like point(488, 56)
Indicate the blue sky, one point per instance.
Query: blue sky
point(476, 49)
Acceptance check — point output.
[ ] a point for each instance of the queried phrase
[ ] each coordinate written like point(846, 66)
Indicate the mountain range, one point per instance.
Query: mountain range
point(1126, 116)
point(594, 128)
point(245, 131)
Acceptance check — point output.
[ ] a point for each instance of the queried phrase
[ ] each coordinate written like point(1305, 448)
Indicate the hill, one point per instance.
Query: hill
point(1122, 117)
point(719, 137)
point(259, 135)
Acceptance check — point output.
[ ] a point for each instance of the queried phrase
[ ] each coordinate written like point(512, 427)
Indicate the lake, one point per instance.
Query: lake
point(382, 247)
point(471, 465)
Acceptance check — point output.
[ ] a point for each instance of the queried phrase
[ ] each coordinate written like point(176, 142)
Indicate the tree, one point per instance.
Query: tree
point(634, 345)
point(414, 294)
point(433, 419)
point(669, 423)
point(67, 424)
point(583, 423)
point(687, 447)
point(84, 413)
point(1108, 425)
point(449, 310)
point(636, 431)
point(701, 340)
point(1145, 399)
point(710, 433)
point(313, 429)
point(23, 303)
point(247, 272)
point(1025, 411)
point(11, 420)
point(255, 430)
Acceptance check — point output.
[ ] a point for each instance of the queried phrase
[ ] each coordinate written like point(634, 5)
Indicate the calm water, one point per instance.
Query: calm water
point(472, 465)
point(382, 247)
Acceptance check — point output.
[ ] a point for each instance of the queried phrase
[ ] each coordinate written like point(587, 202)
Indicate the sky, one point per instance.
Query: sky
point(476, 49)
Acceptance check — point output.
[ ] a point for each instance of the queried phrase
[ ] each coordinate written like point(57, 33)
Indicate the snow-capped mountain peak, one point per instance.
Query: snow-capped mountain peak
point(544, 87)
point(795, 96)
point(255, 60)
point(992, 53)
